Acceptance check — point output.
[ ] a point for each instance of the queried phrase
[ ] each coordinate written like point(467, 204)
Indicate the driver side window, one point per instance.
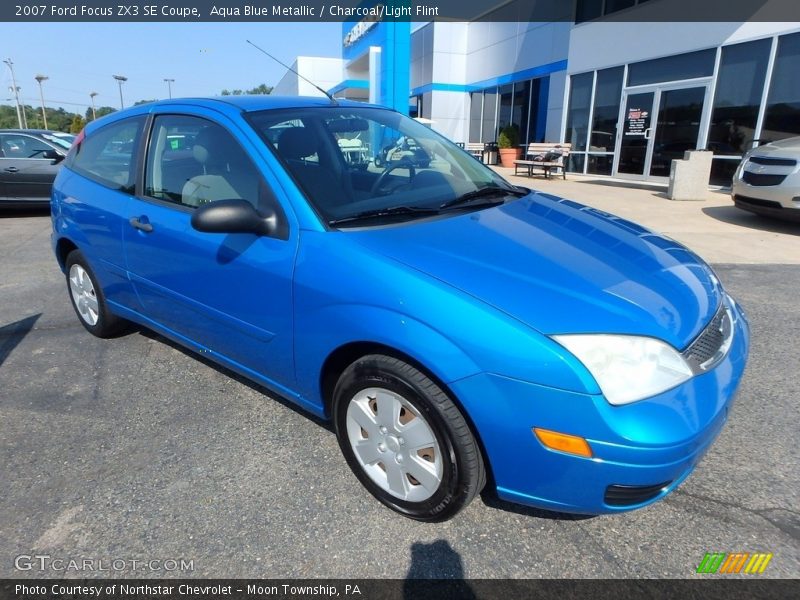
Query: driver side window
point(192, 161)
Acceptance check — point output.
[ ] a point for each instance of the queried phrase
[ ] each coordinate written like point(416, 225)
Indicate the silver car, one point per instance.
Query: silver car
point(768, 180)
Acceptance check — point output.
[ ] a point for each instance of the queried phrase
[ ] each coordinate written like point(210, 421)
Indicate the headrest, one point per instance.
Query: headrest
point(297, 142)
point(211, 143)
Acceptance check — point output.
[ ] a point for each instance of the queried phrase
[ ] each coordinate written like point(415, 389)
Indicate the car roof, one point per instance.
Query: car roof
point(263, 102)
point(30, 131)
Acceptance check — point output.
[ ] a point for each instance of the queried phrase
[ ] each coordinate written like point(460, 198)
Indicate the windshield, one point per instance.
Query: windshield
point(358, 163)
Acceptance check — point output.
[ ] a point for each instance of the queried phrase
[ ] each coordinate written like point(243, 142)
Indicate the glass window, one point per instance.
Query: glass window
point(673, 68)
point(575, 163)
point(600, 164)
point(108, 154)
point(613, 6)
point(489, 114)
point(475, 108)
point(16, 145)
point(588, 10)
point(504, 114)
point(782, 118)
point(519, 112)
point(740, 84)
point(192, 161)
point(536, 87)
point(580, 97)
point(606, 110)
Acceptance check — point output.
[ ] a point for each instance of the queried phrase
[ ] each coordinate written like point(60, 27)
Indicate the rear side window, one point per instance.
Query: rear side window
point(108, 155)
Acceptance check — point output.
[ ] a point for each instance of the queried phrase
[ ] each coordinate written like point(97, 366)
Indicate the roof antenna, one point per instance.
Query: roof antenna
point(330, 97)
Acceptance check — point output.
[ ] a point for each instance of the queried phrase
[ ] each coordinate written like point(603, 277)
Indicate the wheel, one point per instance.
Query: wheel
point(88, 300)
point(405, 439)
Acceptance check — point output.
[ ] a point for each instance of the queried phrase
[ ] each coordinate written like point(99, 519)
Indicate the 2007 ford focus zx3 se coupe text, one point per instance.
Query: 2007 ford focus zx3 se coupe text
point(456, 329)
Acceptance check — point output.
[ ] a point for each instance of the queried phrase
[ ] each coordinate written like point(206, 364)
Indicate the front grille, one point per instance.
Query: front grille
point(762, 179)
point(757, 202)
point(712, 344)
point(773, 162)
point(628, 495)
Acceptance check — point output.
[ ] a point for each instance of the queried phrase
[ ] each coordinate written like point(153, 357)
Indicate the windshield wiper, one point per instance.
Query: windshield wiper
point(385, 212)
point(485, 192)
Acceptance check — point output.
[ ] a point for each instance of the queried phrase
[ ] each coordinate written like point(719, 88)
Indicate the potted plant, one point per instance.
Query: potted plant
point(508, 143)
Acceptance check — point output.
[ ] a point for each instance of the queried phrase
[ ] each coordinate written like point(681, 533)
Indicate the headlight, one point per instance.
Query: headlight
point(628, 368)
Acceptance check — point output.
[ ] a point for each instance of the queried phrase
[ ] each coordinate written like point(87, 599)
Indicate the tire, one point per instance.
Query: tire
point(88, 299)
point(405, 439)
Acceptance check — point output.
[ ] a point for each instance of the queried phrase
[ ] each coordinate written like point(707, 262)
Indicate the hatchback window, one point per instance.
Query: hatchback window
point(193, 161)
point(108, 154)
point(22, 146)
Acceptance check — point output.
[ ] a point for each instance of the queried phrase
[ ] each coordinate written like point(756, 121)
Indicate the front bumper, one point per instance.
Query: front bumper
point(653, 443)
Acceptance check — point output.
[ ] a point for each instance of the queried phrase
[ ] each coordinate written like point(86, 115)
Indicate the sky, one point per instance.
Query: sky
point(202, 58)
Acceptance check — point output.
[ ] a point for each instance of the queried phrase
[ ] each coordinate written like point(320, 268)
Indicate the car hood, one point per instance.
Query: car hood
point(561, 267)
point(789, 145)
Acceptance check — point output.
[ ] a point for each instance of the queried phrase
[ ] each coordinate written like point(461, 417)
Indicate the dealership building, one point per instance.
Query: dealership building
point(629, 94)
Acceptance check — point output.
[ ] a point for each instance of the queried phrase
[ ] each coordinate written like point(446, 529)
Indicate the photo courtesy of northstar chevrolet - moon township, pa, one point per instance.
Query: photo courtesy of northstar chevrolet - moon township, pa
point(460, 332)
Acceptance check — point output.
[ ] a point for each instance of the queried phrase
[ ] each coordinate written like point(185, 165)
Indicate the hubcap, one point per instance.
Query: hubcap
point(394, 444)
point(83, 294)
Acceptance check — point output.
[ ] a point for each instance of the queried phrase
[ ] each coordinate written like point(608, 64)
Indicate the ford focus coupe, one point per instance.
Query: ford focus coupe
point(455, 328)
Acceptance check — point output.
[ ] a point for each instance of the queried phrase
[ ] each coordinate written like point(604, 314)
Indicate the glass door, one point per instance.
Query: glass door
point(678, 127)
point(635, 141)
point(658, 125)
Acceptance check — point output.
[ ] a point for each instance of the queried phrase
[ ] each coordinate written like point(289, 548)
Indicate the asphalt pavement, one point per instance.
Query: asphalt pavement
point(134, 449)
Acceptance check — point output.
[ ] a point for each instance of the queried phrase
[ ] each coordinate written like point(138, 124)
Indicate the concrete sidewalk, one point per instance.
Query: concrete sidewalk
point(714, 228)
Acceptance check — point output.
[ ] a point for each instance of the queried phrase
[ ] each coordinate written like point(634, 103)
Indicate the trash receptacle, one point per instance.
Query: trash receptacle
point(688, 178)
point(490, 153)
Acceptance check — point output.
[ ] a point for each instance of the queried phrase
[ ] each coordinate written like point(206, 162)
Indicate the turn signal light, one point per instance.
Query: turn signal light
point(571, 444)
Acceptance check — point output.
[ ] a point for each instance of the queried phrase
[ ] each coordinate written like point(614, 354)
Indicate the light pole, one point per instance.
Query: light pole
point(169, 86)
point(120, 80)
point(94, 113)
point(40, 79)
point(14, 89)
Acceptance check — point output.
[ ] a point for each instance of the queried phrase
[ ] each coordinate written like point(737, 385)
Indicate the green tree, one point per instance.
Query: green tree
point(77, 124)
point(262, 89)
point(100, 111)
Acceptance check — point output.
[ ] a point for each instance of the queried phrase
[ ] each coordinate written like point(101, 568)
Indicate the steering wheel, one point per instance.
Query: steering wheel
point(402, 164)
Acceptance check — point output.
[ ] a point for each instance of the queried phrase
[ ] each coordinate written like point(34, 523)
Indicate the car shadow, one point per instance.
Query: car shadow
point(743, 218)
point(13, 333)
point(149, 334)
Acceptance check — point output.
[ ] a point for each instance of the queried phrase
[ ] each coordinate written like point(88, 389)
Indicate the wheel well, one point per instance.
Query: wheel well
point(63, 248)
point(344, 356)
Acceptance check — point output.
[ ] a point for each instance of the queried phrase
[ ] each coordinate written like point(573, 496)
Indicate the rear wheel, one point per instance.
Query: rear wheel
point(88, 299)
point(405, 439)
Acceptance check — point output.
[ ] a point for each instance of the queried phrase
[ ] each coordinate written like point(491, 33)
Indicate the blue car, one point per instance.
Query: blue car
point(458, 330)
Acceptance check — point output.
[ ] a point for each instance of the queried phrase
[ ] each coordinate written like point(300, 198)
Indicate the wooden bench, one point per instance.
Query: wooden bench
point(539, 150)
point(475, 149)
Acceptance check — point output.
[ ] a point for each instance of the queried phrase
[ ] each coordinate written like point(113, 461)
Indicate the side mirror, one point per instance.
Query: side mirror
point(233, 216)
point(53, 155)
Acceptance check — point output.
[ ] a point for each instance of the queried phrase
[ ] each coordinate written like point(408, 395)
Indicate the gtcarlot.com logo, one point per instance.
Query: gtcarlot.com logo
point(735, 562)
point(45, 562)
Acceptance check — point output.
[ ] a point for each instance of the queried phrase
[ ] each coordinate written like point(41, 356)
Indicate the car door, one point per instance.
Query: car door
point(230, 294)
point(27, 167)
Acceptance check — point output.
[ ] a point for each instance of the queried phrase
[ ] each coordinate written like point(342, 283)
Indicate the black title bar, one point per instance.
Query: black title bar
point(710, 588)
point(387, 10)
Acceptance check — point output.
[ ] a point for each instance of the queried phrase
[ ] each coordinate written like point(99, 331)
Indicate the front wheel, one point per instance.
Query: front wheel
point(405, 439)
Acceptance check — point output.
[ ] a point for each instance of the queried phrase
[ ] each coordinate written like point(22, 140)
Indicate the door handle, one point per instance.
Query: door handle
point(647, 133)
point(137, 224)
point(12, 170)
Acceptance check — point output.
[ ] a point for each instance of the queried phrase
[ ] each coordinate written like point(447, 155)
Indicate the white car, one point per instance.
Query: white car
point(768, 180)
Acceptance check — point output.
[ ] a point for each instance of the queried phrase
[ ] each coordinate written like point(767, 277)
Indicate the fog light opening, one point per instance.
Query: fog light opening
point(563, 442)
